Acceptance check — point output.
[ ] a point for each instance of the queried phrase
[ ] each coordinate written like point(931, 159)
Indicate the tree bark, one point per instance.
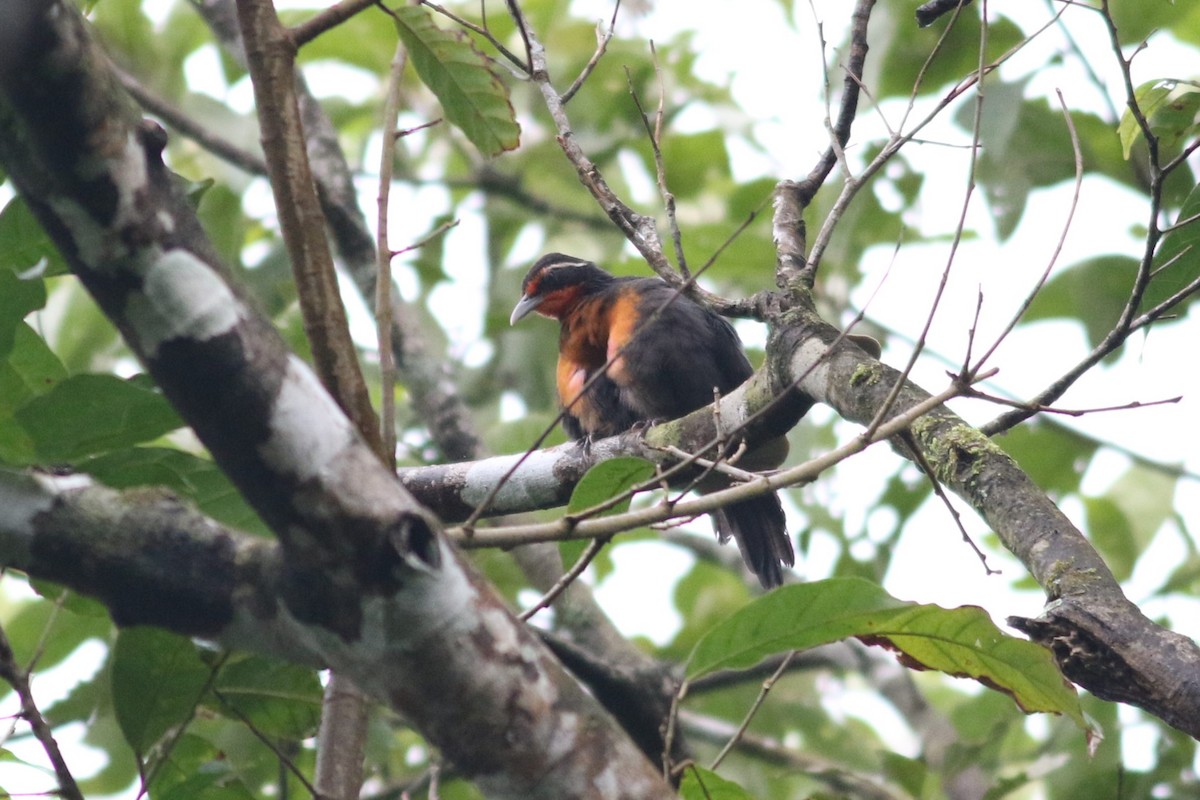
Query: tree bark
point(364, 582)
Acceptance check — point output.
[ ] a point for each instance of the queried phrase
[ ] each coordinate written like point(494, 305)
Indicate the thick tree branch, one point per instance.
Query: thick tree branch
point(366, 581)
point(270, 55)
point(1103, 641)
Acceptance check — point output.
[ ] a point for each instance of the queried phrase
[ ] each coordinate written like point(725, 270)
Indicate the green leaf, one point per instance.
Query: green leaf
point(24, 245)
point(609, 479)
point(195, 478)
point(30, 369)
point(904, 50)
point(279, 699)
point(692, 161)
point(157, 679)
point(460, 76)
point(962, 642)
point(1093, 292)
point(1178, 254)
point(18, 298)
point(1109, 529)
point(195, 768)
point(52, 633)
point(87, 414)
point(1144, 495)
point(1052, 455)
point(605, 480)
point(1170, 108)
point(1135, 20)
point(701, 784)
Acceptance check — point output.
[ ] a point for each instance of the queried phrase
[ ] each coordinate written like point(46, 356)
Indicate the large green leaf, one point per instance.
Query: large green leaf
point(460, 76)
point(31, 369)
point(87, 414)
point(195, 769)
point(962, 642)
point(157, 679)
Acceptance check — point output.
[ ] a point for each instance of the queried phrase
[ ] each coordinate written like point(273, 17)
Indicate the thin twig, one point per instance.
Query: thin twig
point(1128, 321)
point(383, 255)
point(602, 40)
point(283, 757)
point(1062, 237)
point(654, 133)
point(18, 679)
point(570, 576)
point(327, 19)
point(1073, 412)
point(927, 468)
point(484, 32)
point(960, 226)
point(174, 117)
point(767, 685)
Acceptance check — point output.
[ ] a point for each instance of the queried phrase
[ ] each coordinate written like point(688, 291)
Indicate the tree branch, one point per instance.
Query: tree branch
point(366, 581)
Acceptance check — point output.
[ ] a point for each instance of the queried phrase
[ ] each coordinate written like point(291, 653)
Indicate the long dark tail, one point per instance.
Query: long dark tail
point(760, 530)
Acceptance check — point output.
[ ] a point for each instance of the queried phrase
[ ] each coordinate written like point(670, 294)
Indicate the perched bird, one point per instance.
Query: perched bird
point(668, 354)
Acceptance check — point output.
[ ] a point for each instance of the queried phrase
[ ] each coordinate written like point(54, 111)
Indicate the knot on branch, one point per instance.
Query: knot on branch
point(1084, 659)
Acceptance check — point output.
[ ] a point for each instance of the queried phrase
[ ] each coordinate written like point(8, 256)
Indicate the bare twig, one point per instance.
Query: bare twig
point(1128, 321)
point(174, 117)
point(1073, 412)
point(927, 468)
point(18, 679)
point(1061, 238)
point(383, 256)
point(843, 782)
point(327, 19)
point(654, 133)
point(284, 759)
point(767, 685)
point(602, 40)
point(960, 225)
point(482, 31)
point(570, 576)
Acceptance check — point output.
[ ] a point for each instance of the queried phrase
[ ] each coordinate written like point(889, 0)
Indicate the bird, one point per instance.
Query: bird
point(665, 355)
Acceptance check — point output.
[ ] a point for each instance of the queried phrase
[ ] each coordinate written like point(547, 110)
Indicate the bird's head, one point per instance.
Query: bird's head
point(555, 284)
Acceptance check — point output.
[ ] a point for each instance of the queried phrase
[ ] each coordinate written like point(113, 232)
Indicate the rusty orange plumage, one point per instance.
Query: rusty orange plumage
point(665, 356)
